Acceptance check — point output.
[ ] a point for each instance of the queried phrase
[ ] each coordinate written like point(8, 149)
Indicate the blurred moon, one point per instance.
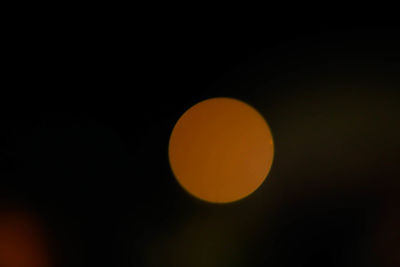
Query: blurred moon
point(221, 150)
point(22, 243)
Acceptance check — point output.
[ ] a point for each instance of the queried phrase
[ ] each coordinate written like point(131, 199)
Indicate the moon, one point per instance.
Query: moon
point(221, 150)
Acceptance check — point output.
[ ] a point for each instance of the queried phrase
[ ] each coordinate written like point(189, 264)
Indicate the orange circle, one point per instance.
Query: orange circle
point(22, 242)
point(221, 150)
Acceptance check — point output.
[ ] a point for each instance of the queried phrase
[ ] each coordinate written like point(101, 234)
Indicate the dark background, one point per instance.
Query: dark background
point(89, 109)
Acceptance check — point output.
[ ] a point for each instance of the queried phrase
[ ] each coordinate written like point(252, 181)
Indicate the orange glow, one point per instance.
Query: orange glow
point(221, 150)
point(21, 243)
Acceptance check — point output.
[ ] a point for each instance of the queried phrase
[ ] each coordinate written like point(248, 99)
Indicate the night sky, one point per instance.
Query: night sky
point(90, 109)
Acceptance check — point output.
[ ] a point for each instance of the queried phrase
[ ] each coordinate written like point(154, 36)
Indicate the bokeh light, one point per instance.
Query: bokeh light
point(221, 150)
point(22, 242)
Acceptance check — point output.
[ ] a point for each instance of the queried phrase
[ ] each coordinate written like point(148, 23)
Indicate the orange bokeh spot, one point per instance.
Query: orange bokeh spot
point(221, 150)
point(21, 241)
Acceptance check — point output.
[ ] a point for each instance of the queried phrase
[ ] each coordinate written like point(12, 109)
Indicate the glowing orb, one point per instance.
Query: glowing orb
point(221, 150)
point(21, 241)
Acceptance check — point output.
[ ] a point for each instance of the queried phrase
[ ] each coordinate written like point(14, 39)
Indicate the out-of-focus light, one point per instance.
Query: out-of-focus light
point(221, 150)
point(21, 242)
